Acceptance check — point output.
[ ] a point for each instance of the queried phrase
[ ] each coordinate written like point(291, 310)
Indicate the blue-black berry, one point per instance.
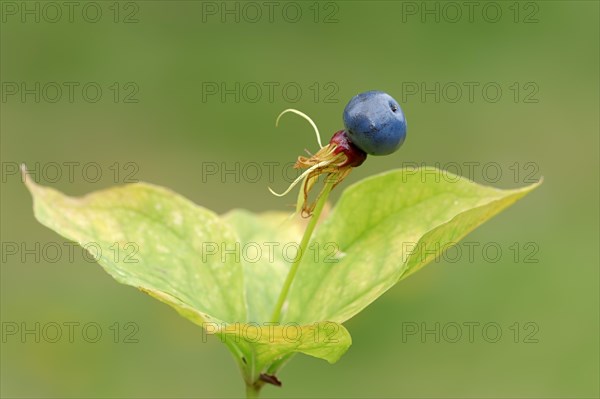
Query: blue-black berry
point(375, 123)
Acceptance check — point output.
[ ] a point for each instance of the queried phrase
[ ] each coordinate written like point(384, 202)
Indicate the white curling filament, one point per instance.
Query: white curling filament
point(301, 177)
point(303, 115)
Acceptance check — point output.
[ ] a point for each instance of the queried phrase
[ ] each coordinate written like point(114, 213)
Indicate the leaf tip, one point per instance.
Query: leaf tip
point(26, 178)
point(527, 189)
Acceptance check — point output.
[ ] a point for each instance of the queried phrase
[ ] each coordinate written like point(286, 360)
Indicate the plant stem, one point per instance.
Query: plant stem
point(303, 245)
point(251, 391)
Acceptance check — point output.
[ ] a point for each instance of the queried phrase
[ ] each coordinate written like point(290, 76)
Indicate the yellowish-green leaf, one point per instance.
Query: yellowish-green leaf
point(384, 228)
point(195, 261)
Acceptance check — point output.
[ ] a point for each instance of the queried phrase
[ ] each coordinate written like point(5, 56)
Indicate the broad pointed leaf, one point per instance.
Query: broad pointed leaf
point(193, 260)
point(384, 228)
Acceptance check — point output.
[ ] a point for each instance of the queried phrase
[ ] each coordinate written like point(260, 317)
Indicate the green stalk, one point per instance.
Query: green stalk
point(303, 246)
point(251, 391)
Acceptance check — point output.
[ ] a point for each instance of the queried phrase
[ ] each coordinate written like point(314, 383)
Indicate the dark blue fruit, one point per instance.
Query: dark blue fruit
point(375, 123)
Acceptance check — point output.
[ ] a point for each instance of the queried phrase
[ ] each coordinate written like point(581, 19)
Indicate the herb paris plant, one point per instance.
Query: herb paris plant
point(185, 259)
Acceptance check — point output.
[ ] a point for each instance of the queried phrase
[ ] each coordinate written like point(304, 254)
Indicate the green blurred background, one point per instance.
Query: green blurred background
point(176, 51)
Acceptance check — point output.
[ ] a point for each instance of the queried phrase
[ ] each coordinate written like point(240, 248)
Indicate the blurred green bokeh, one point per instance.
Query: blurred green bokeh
point(542, 55)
